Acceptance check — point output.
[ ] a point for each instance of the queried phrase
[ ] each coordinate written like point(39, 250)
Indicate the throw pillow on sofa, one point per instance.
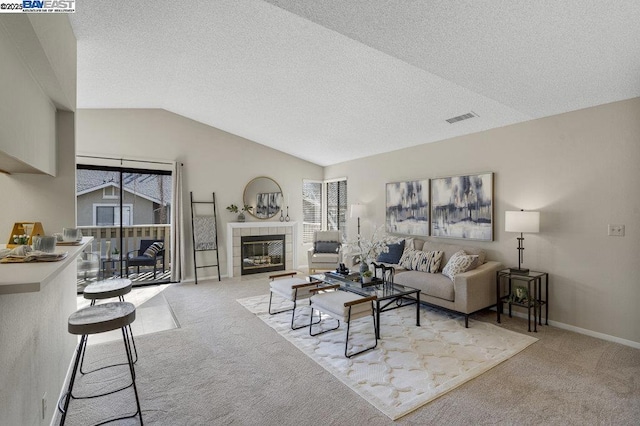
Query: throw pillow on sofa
point(393, 255)
point(406, 259)
point(458, 263)
point(426, 261)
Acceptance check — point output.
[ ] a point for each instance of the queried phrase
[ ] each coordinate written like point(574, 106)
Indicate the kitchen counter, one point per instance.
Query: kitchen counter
point(34, 276)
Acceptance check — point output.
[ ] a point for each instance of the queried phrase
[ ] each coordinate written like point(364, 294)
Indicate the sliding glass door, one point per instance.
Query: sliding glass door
point(128, 212)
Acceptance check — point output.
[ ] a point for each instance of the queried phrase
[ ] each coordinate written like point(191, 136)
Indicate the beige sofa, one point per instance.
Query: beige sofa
point(469, 292)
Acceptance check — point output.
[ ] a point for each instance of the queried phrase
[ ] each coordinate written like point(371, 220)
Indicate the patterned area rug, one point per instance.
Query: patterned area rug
point(411, 365)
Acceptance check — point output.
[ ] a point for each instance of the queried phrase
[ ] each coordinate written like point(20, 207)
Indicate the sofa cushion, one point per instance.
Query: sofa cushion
point(326, 246)
point(450, 249)
point(284, 288)
point(435, 285)
point(458, 263)
point(325, 257)
point(332, 302)
point(394, 254)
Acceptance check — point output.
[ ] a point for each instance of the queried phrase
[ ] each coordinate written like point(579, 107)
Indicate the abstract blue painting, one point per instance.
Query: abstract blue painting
point(407, 207)
point(462, 207)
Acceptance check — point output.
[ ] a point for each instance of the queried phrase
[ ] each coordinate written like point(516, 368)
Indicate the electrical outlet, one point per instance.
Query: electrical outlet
point(616, 230)
point(44, 406)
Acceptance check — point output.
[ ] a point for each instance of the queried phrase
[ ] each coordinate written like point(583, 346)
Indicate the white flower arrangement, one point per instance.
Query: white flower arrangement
point(20, 239)
point(369, 249)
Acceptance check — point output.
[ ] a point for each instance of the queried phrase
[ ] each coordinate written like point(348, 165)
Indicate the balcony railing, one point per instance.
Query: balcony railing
point(94, 266)
point(131, 237)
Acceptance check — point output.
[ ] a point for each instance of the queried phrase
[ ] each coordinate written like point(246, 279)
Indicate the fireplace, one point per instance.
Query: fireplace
point(237, 230)
point(262, 253)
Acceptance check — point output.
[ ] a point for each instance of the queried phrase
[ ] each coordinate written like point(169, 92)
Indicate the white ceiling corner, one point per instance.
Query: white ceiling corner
point(332, 81)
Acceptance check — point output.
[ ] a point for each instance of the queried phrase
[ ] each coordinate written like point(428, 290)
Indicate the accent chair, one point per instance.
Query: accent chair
point(325, 253)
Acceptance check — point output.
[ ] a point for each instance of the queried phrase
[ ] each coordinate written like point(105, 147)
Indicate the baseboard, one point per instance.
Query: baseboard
point(586, 332)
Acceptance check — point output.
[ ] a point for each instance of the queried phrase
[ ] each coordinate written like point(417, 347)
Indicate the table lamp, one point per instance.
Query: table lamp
point(358, 210)
point(522, 222)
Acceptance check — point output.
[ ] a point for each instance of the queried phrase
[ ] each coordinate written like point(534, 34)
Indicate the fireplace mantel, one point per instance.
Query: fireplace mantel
point(235, 230)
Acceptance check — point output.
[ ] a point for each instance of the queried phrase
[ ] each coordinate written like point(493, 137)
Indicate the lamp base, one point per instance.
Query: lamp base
point(519, 271)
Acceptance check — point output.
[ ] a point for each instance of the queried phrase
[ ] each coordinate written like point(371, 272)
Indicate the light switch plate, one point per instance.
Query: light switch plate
point(616, 230)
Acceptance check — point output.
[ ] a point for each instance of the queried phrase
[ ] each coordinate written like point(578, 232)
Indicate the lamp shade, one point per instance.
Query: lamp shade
point(521, 221)
point(358, 210)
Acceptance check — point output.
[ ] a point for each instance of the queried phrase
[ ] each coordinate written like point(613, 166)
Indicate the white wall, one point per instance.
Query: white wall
point(214, 161)
point(35, 353)
point(36, 349)
point(579, 169)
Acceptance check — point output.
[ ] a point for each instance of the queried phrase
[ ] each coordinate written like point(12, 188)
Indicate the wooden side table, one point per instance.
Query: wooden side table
point(531, 300)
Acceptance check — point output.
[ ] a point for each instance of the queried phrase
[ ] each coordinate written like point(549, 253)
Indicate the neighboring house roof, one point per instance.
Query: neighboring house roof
point(143, 185)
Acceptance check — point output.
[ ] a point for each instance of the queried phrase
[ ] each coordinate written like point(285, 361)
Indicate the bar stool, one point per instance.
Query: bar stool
point(99, 319)
point(108, 289)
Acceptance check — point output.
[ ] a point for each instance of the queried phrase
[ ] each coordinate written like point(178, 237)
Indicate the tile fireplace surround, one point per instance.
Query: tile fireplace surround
point(235, 230)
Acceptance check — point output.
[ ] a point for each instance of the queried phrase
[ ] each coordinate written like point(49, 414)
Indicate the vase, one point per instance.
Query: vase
point(366, 280)
point(364, 267)
point(241, 217)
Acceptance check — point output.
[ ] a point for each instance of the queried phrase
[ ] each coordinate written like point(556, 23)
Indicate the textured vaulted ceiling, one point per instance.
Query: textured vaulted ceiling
point(334, 80)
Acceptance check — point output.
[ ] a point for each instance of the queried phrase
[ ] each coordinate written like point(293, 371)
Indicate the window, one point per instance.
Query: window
point(311, 209)
point(337, 206)
point(109, 215)
point(324, 206)
point(110, 193)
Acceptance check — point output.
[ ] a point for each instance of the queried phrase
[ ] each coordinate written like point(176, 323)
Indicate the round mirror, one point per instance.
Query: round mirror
point(265, 196)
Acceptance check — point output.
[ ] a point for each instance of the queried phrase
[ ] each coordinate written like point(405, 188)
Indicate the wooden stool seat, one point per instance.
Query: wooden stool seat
point(107, 289)
point(101, 318)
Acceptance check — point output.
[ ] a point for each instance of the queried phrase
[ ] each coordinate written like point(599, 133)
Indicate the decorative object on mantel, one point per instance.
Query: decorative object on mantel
point(287, 218)
point(462, 207)
point(521, 221)
point(369, 249)
point(20, 229)
point(234, 209)
point(281, 216)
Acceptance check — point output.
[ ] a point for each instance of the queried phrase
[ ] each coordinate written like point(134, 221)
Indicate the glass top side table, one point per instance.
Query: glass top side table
point(524, 297)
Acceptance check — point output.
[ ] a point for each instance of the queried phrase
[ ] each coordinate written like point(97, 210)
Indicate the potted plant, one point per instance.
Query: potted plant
point(367, 276)
point(234, 209)
point(368, 249)
point(21, 239)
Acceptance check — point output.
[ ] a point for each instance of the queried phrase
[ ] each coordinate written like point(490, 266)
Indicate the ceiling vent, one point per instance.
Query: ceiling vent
point(461, 117)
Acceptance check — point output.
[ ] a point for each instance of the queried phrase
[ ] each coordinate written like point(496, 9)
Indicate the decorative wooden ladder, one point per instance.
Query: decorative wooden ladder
point(204, 233)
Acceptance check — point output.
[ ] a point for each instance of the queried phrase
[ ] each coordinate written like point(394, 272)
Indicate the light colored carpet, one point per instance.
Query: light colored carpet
point(224, 366)
point(411, 365)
